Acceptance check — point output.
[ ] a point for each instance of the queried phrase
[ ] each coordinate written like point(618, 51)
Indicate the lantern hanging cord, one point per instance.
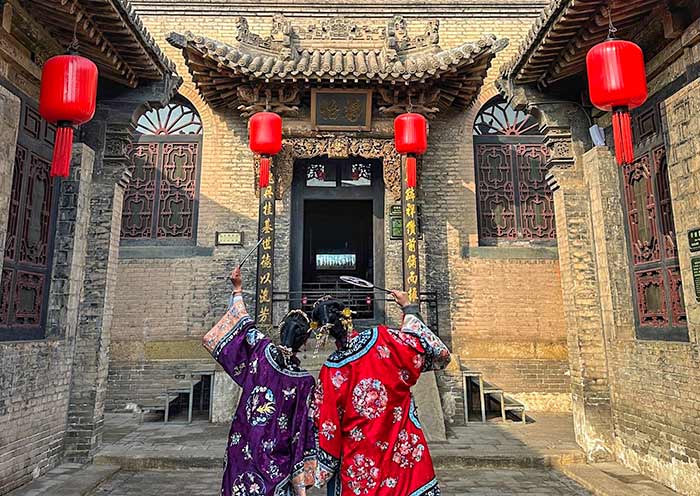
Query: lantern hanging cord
point(611, 27)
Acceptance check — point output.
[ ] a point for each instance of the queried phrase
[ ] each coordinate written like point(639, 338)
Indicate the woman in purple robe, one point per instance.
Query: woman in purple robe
point(271, 444)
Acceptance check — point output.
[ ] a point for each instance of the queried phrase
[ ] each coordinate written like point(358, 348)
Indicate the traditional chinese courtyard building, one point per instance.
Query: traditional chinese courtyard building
point(472, 239)
point(566, 283)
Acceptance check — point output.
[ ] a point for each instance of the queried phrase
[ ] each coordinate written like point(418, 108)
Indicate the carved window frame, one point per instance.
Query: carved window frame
point(653, 263)
point(498, 128)
point(157, 135)
point(34, 143)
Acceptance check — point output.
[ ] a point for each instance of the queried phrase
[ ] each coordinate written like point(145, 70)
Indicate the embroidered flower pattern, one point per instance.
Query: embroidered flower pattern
point(370, 398)
point(356, 434)
point(389, 482)
point(406, 339)
point(247, 455)
point(328, 430)
point(273, 470)
point(383, 351)
point(338, 379)
point(398, 414)
point(283, 422)
point(404, 376)
point(253, 336)
point(382, 445)
point(362, 474)
point(248, 484)
point(235, 438)
point(315, 409)
point(260, 406)
point(408, 451)
point(418, 361)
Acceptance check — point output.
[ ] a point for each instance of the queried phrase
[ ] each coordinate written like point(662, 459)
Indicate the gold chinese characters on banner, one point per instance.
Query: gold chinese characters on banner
point(411, 269)
point(266, 257)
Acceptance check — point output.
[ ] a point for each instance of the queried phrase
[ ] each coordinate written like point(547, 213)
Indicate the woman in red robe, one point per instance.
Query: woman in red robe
point(369, 437)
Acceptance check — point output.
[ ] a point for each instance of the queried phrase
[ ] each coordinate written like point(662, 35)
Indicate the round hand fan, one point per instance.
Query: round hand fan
point(362, 283)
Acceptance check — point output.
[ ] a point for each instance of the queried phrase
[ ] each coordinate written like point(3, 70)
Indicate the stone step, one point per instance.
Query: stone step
point(69, 479)
point(612, 479)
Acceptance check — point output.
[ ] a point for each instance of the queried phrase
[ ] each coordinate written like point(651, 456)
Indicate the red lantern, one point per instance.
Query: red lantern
point(617, 82)
point(411, 138)
point(265, 130)
point(67, 99)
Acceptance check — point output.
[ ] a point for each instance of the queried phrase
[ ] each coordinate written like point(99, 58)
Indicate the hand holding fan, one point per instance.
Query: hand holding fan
point(362, 283)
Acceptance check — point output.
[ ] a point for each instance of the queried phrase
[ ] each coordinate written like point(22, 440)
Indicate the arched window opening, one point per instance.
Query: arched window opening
point(175, 118)
point(513, 199)
point(161, 201)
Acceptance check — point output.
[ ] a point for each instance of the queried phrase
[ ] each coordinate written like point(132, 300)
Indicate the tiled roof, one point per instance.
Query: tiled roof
point(109, 32)
point(556, 46)
point(217, 67)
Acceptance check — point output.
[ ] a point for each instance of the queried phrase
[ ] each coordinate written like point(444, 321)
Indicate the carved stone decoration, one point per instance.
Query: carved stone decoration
point(395, 101)
point(285, 38)
point(561, 152)
point(283, 100)
point(336, 147)
point(339, 28)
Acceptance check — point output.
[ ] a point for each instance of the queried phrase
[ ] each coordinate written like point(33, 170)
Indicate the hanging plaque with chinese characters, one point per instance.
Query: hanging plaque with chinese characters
point(411, 269)
point(266, 257)
point(341, 109)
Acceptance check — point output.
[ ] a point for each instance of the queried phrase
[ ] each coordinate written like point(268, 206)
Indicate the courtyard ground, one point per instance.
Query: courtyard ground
point(536, 459)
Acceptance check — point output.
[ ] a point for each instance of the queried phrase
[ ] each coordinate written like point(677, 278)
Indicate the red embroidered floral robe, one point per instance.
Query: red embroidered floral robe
point(369, 434)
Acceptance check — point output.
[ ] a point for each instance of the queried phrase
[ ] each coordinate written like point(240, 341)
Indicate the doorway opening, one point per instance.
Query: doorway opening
point(338, 219)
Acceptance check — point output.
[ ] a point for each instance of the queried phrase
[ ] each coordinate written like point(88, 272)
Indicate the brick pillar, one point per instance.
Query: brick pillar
point(70, 246)
point(682, 115)
point(9, 124)
point(566, 131)
point(113, 134)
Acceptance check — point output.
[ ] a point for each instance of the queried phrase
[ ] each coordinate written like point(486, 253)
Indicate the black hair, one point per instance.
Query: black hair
point(330, 311)
point(294, 330)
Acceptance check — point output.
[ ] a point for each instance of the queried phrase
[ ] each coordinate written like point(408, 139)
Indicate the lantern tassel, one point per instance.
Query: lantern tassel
point(411, 179)
point(622, 132)
point(264, 180)
point(62, 151)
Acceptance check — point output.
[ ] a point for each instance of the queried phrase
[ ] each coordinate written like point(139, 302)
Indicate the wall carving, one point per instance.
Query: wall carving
point(334, 147)
point(283, 100)
point(290, 40)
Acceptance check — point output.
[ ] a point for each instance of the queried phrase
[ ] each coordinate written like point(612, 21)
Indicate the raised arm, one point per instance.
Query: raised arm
point(234, 341)
point(436, 356)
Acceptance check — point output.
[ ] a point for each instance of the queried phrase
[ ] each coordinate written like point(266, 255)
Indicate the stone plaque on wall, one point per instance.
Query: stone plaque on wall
point(396, 222)
point(694, 239)
point(695, 265)
point(341, 109)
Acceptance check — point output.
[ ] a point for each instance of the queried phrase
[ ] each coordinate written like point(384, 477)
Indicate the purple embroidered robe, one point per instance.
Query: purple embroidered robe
point(271, 444)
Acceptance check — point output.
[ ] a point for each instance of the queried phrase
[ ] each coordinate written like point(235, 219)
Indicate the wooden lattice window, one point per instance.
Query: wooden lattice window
point(656, 282)
point(161, 201)
point(26, 270)
point(513, 199)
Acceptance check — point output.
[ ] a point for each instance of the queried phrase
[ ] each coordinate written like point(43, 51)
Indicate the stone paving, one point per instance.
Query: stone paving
point(547, 441)
point(540, 458)
point(472, 482)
